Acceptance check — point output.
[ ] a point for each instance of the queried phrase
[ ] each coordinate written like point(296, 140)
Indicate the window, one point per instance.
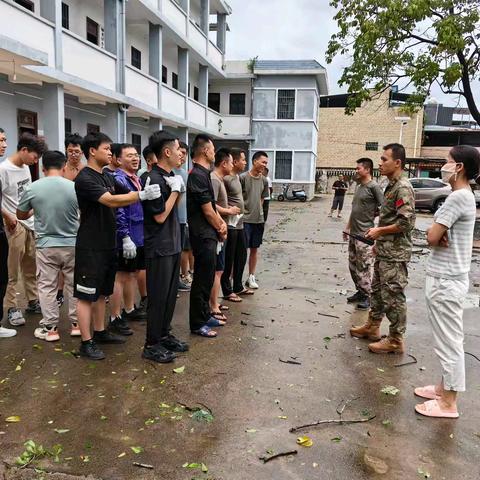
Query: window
point(65, 16)
point(92, 128)
point(214, 101)
point(136, 58)
point(286, 104)
point(174, 80)
point(372, 146)
point(237, 104)
point(92, 31)
point(137, 142)
point(68, 125)
point(29, 5)
point(164, 74)
point(283, 165)
point(195, 93)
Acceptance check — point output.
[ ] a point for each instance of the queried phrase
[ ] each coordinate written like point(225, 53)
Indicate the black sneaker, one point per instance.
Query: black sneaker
point(356, 297)
point(90, 350)
point(33, 307)
point(136, 315)
point(364, 304)
point(120, 326)
point(183, 287)
point(158, 353)
point(105, 337)
point(174, 344)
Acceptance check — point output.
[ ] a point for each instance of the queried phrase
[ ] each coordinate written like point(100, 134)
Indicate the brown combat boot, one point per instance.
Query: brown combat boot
point(387, 345)
point(369, 330)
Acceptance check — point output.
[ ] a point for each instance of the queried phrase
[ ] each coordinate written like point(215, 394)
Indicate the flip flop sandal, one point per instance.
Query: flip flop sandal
point(215, 322)
point(234, 299)
point(205, 331)
point(432, 409)
point(224, 308)
point(427, 392)
point(219, 316)
point(246, 291)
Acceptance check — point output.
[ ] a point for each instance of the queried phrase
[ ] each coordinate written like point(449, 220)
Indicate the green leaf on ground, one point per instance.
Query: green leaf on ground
point(336, 439)
point(251, 430)
point(179, 369)
point(423, 473)
point(61, 430)
point(390, 390)
point(202, 416)
point(327, 339)
point(387, 423)
point(13, 419)
point(137, 450)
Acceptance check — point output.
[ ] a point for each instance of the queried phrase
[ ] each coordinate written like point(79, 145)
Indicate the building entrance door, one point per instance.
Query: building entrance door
point(27, 122)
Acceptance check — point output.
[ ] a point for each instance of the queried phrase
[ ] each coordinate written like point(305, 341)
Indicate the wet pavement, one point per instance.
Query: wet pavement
point(102, 413)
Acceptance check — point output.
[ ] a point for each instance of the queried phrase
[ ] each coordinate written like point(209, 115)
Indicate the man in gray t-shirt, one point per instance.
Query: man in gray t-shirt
point(255, 190)
point(365, 205)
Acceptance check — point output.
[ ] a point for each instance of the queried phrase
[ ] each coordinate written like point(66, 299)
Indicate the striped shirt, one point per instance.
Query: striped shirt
point(458, 215)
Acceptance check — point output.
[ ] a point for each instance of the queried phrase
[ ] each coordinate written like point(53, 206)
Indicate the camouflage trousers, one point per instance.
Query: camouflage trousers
point(360, 263)
point(388, 295)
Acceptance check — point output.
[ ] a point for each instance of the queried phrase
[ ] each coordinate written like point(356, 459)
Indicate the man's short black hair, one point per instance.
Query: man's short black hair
point(116, 149)
point(183, 145)
point(32, 143)
point(53, 159)
point(237, 153)
point(258, 154)
point(73, 139)
point(200, 141)
point(398, 152)
point(94, 140)
point(470, 157)
point(159, 140)
point(146, 152)
point(366, 163)
point(2, 130)
point(122, 147)
point(221, 155)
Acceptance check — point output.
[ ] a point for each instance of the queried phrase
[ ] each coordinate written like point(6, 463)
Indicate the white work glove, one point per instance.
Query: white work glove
point(150, 192)
point(175, 183)
point(129, 248)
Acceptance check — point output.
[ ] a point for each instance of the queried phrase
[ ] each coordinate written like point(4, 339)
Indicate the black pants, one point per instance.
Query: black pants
point(205, 256)
point(162, 288)
point(3, 269)
point(235, 260)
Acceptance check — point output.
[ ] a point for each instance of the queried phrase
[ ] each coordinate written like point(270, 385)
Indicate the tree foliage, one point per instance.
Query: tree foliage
point(411, 43)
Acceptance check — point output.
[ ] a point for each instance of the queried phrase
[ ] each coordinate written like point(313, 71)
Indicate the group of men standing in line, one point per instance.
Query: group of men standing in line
point(110, 232)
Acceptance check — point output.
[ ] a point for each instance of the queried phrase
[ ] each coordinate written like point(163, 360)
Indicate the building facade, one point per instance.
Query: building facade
point(126, 68)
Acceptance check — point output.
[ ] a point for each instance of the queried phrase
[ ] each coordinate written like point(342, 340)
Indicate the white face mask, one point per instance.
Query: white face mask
point(448, 171)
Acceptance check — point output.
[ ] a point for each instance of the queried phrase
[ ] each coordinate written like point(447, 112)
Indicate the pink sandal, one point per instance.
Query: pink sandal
point(432, 409)
point(427, 392)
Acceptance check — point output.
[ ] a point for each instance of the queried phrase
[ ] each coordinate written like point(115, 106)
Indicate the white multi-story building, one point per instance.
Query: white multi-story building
point(124, 67)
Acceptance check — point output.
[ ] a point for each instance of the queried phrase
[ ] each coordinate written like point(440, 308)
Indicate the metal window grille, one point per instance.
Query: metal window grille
point(92, 128)
point(68, 125)
point(174, 80)
point(195, 93)
point(372, 146)
point(214, 101)
point(92, 31)
point(286, 104)
point(136, 58)
point(137, 142)
point(237, 104)
point(283, 165)
point(65, 16)
point(164, 74)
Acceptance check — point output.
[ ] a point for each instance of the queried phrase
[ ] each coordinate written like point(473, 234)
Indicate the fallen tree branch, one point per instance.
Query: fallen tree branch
point(327, 315)
point(291, 362)
point(472, 355)
point(281, 454)
point(411, 362)
point(326, 422)
point(143, 465)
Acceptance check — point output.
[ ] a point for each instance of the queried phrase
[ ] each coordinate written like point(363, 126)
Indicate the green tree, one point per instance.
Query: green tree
point(413, 43)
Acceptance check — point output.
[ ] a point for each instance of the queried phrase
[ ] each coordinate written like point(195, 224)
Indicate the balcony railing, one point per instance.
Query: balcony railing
point(28, 29)
point(214, 121)
point(87, 61)
point(196, 112)
point(236, 124)
point(175, 15)
point(173, 102)
point(215, 55)
point(141, 87)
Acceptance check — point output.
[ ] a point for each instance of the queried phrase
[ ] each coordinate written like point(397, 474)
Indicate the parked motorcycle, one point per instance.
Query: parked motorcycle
point(294, 195)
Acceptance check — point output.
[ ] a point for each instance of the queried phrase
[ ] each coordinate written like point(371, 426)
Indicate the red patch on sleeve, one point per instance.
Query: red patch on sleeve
point(399, 203)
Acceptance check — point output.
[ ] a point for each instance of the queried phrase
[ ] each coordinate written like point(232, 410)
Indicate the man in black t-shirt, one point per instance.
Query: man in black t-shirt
point(206, 229)
point(162, 240)
point(340, 187)
point(95, 250)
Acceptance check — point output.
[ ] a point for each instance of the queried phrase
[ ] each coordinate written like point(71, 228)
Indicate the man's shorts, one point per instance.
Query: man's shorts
point(131, 264)
point(220, 267)
point(185, 237)
point(94, 273)
point(338, 202)
point(253, 234)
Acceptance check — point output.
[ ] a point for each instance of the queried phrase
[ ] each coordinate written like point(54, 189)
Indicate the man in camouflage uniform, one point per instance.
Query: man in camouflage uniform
point(393, 251)
point(365, 205)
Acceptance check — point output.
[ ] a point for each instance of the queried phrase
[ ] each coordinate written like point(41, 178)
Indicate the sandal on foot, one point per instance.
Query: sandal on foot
point(432, 409)
point(224, 308)
point(215, 322)
point(246, 291)
point(233, 298)
point(205, 331)
point(219, 316)
point(427, 392)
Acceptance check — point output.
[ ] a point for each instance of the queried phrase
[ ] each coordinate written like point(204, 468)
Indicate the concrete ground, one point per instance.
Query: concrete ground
point(99, 411)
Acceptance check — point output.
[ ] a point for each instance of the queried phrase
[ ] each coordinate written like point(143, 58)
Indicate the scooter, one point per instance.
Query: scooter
point(295, 195)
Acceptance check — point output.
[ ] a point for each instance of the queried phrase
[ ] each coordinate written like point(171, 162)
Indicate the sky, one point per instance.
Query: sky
point(290, 29)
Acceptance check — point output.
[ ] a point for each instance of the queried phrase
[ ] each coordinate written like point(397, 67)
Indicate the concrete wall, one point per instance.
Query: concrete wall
point(170, 60)
point(342, 138)
point(225, 88)
point(79, 11)
point(137, 36)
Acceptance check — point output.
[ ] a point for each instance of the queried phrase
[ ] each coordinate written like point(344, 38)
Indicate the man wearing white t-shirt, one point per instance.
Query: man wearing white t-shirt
point(15, 177)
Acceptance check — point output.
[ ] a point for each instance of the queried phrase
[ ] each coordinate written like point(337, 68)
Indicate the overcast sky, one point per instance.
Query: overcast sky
point(288, 29)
